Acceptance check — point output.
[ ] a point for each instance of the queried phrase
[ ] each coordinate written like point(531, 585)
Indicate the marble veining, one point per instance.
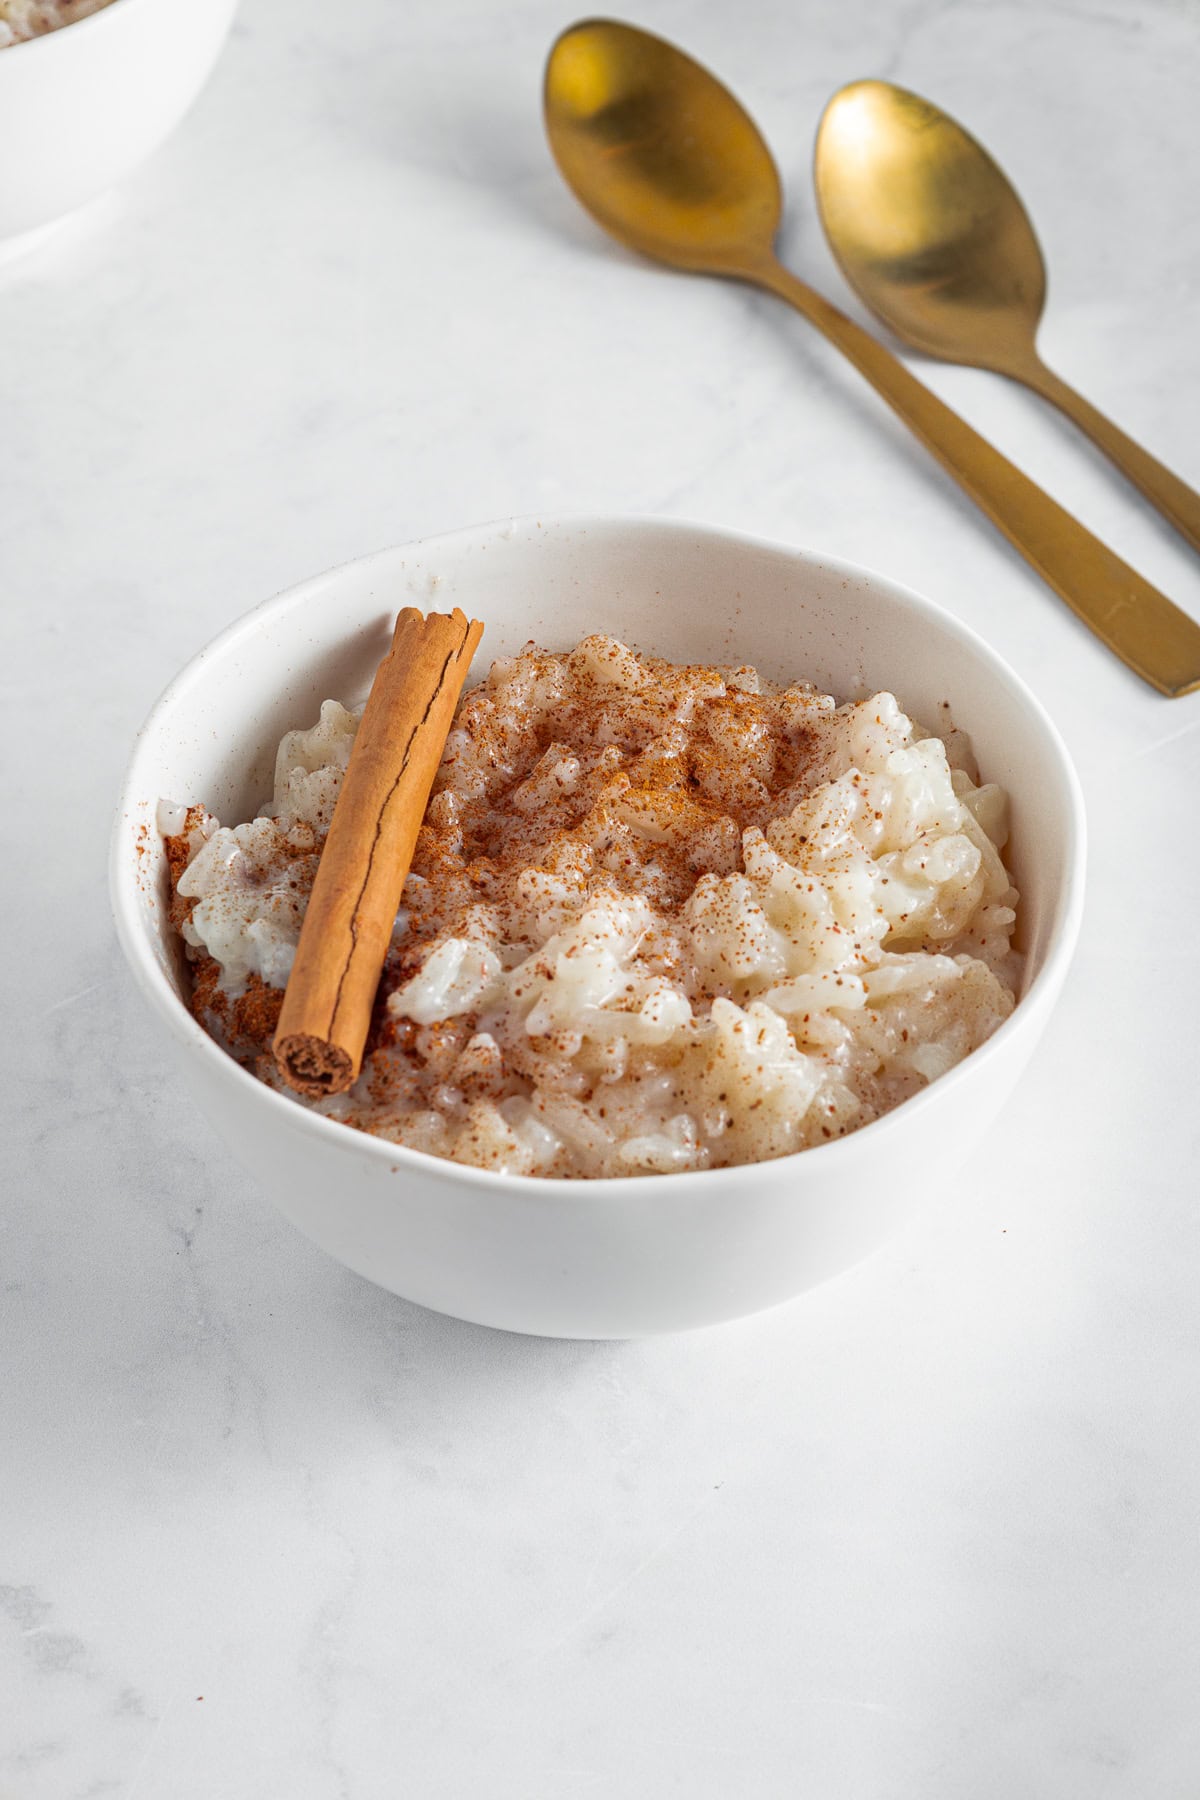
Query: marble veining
point(265, 1530)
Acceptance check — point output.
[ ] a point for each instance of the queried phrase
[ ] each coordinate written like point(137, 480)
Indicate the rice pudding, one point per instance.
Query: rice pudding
point(659, 918)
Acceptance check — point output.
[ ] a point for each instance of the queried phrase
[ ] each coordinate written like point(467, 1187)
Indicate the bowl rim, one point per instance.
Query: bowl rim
point(152, 979)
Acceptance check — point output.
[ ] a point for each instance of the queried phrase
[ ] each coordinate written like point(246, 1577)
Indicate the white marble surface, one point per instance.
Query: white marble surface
point(264, 1530)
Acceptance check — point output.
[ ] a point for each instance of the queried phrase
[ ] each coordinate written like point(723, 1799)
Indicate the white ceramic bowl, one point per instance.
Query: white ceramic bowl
point(82, 106)
point(613, 1258)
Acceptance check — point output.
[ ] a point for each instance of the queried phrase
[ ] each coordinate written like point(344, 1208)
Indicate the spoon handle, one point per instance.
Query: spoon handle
point(1146, 630)
point(1174, 499)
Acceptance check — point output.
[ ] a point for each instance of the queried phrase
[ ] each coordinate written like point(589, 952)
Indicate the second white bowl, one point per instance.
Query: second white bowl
point(82, 106)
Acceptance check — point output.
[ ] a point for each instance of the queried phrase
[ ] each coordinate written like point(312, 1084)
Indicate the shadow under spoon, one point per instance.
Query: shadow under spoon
point(664, 157)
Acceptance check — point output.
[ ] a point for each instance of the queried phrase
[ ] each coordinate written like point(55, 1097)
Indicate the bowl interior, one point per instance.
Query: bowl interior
point(688, 593)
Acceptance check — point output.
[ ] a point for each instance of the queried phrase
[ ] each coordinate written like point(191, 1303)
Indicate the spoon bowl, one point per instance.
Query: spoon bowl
point(927, 229)
point(687, 178)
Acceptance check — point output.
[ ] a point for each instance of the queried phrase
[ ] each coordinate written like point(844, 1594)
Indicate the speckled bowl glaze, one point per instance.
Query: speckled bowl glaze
point(612, 1258)
point(82, 106)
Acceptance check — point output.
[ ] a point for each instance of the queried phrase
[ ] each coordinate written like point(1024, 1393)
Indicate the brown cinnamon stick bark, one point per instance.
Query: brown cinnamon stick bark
point(347, 928)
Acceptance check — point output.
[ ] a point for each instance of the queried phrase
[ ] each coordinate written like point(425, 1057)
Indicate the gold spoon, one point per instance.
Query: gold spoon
point(667, 160)
point(931, 235)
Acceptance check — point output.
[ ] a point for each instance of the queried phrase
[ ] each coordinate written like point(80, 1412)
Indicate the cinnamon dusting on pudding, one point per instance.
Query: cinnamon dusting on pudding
point(658, 917)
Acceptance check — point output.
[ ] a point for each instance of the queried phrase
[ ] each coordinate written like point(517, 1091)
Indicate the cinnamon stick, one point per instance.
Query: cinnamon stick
point(347, 928)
